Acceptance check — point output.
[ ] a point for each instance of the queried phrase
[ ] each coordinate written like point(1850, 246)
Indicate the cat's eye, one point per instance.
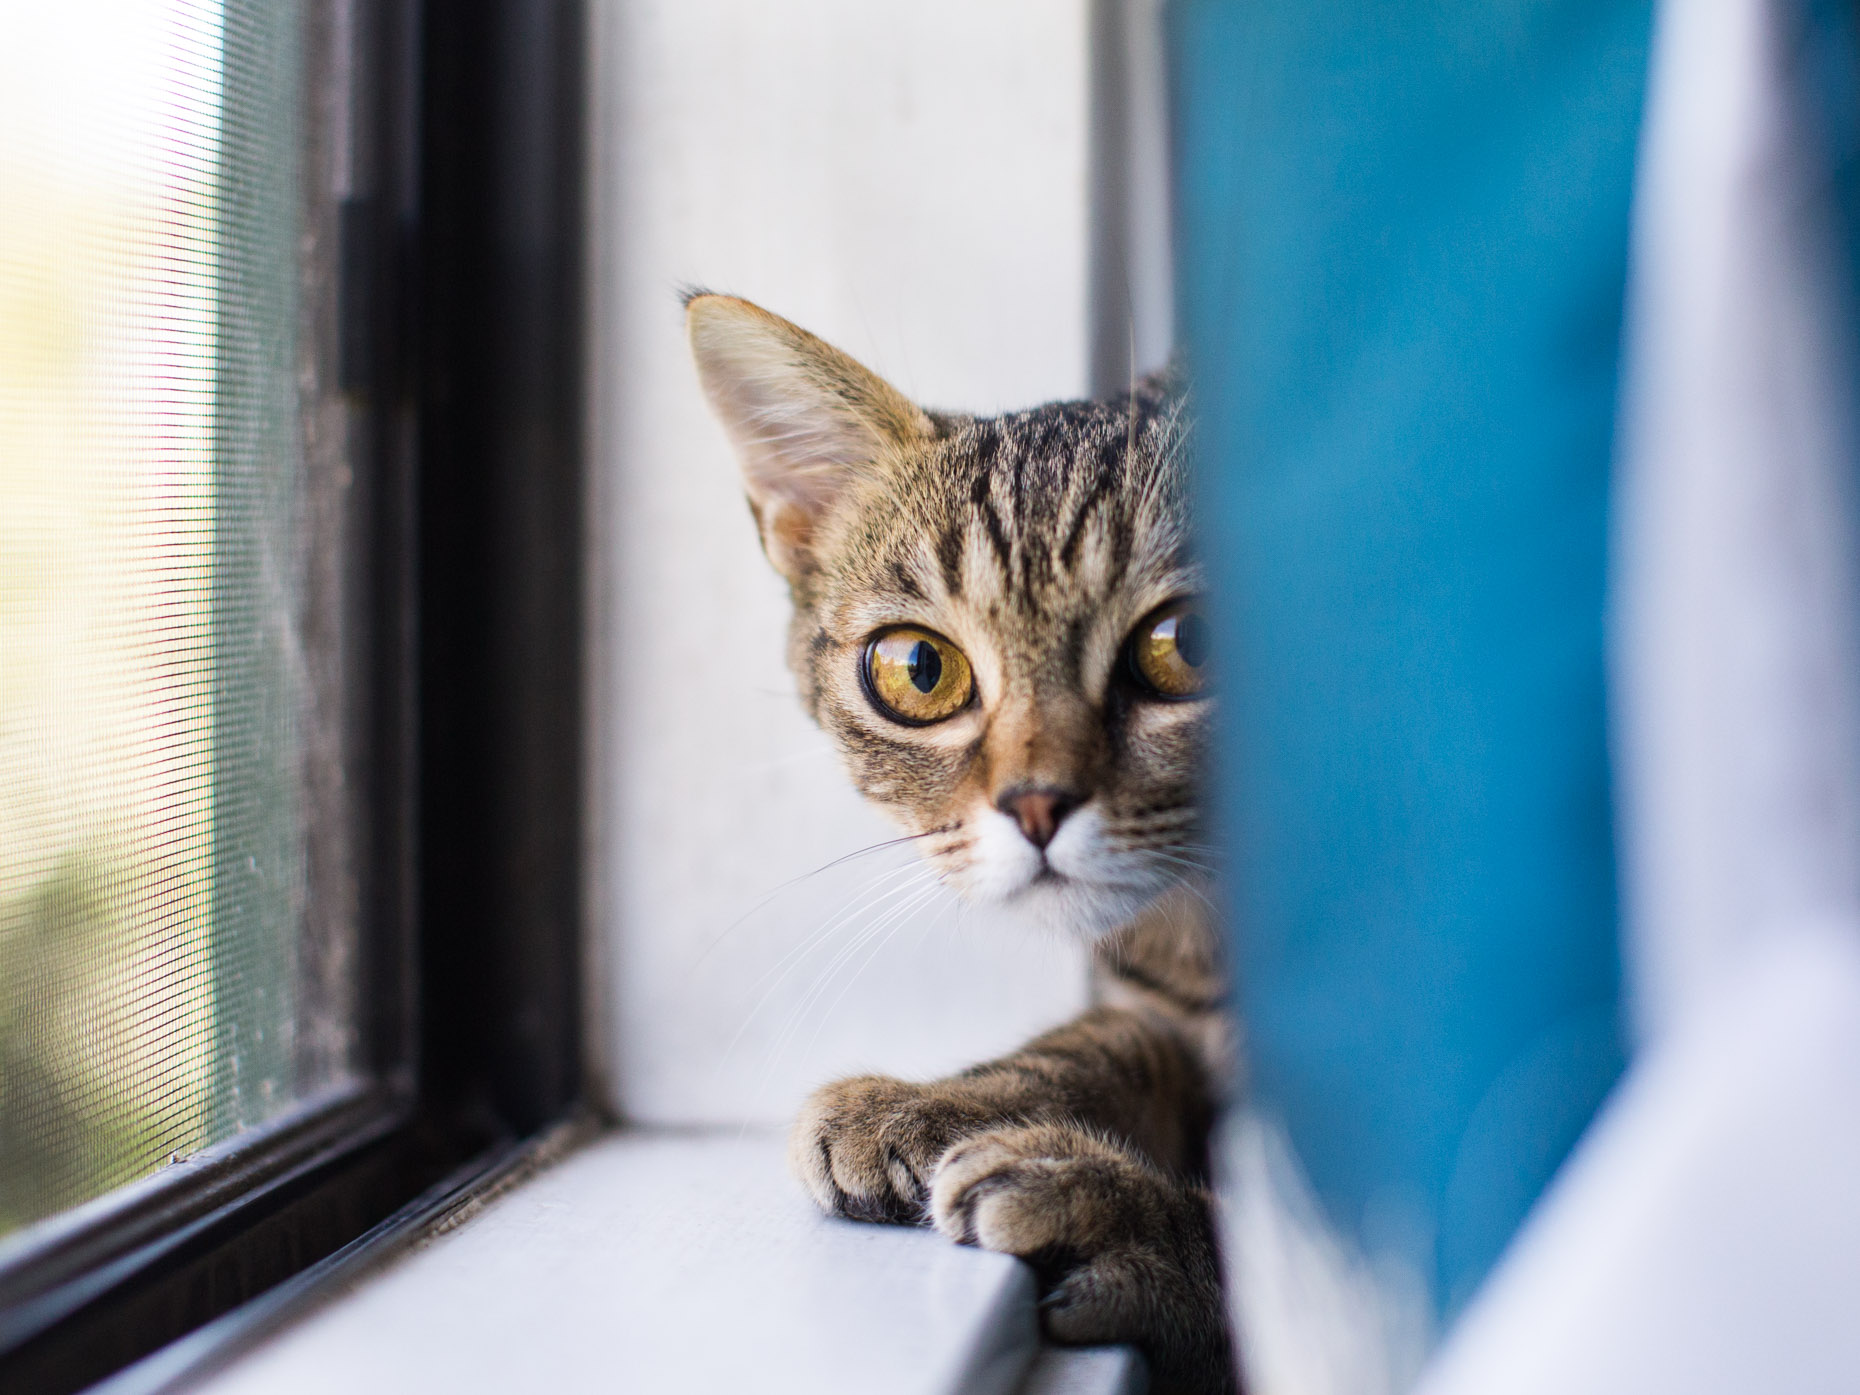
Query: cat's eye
point(1169, 651)
point(917, 677)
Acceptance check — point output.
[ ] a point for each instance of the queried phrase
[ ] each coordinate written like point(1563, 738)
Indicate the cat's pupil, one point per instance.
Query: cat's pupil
point(1191, 639)
point(925, 666)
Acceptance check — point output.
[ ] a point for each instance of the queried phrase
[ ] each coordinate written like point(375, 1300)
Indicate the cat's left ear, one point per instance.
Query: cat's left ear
point(806, 420)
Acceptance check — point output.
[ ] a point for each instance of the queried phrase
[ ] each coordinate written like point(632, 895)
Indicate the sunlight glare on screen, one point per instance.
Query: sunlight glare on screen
point(109, 155)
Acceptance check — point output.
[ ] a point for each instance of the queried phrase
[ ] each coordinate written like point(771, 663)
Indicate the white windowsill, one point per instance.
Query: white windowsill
point(679, 1262)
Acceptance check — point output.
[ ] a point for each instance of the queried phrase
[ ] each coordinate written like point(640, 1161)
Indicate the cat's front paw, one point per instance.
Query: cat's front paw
point(1123, 1250)
point(866, 1148)
point(1060, 1198)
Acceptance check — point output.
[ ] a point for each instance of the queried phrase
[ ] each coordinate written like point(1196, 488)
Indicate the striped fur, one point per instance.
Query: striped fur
point(1035, 542)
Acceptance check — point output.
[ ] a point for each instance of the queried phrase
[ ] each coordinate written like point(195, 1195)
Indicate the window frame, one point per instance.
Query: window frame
point(457, 340)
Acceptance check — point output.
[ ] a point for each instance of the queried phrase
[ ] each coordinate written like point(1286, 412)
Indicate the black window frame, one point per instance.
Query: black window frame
point(459, 333)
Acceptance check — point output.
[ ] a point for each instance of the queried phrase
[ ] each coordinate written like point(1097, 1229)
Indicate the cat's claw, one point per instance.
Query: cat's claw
point(866, 1148)
point(1046, 1192)
point(1122, 1249)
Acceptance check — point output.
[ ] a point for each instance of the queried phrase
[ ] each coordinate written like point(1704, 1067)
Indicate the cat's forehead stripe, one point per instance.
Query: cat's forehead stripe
point(1045, 515)
point(1103, 482)
point(980, 496)
point(906, 582)
point(1029, 471)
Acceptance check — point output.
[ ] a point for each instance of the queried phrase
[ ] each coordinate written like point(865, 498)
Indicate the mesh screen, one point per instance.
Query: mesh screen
point(152, 689)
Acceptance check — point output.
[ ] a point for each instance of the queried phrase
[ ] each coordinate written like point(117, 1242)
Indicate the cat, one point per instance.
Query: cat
point(996, 620)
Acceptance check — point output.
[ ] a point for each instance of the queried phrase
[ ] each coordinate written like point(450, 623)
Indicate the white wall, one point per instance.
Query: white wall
point(910, 181)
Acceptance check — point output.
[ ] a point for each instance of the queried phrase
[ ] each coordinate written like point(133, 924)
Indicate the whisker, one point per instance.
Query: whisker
point(791, 960)
point(824, 981)
point(1155, 818)
point(777, 1050)
point(1144, 841)
point(1203, 897)
point(793, 882)
point(866, 898)
point(847, 950)
point(1187, 862)
point(898, 922)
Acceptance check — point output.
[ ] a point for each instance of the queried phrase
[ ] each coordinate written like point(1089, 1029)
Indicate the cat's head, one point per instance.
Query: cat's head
point(994, 617)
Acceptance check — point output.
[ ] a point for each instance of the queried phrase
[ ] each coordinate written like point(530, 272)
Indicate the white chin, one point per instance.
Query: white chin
point(1072, 907)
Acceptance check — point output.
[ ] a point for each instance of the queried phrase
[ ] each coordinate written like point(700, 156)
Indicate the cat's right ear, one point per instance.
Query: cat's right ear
point(806, 420)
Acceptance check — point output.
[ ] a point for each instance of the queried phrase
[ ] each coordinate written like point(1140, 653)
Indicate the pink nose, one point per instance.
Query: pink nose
point(1037, 811)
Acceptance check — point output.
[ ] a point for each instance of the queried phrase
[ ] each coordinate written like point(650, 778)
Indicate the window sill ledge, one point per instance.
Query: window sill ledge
point(679, 1262)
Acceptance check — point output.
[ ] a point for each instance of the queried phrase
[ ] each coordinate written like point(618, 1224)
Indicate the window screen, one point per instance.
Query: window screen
point(168, 977)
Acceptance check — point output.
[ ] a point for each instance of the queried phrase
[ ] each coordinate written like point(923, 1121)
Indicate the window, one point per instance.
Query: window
point(289, 695)
point(171, 974)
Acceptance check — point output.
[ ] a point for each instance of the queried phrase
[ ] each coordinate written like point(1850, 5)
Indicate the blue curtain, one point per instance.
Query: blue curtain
point(1401, 248)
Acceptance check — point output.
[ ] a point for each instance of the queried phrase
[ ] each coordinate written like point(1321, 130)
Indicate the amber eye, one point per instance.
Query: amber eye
point(917, 677)
point(1169, 651)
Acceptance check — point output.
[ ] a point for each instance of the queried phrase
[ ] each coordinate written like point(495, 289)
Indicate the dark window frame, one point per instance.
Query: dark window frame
point(459, 329)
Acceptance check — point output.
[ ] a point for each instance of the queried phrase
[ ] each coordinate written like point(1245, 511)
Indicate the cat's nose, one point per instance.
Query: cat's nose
point(1037, 811)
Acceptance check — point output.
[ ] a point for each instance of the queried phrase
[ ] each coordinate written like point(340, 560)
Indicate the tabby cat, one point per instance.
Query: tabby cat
point(995, 619)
